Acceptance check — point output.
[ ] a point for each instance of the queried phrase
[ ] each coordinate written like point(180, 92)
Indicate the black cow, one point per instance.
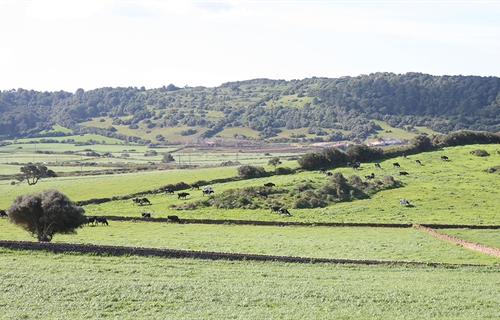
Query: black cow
point(262, 194)
point(377, 165)
point(396, 165)
point(91, 220)
point(328, 174)
point(144, 200)
point(371, 176)
point(356, 165)
point(173, 219)
point(182, 195)
point(169, 190)
point(403, 173)
point(275, 209)
point(146, 215)
point(101, 220)
point(195, 186)
point(284, 211)
point(445, 158)
point(3, 213)
point(136, 200)
point(418, 162)
point(269, 184)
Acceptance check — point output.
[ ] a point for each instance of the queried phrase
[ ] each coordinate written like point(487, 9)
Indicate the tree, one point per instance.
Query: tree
point(167, 158)
point(45, 214)
point(274, 162)
point(35, 173)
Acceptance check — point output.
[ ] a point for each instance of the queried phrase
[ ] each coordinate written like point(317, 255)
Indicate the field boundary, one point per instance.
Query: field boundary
point(206, 255)
point(493, 251)
point(307, 224)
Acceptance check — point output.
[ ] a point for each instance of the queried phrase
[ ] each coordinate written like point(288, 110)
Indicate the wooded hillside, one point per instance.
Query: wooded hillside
point(334, 109)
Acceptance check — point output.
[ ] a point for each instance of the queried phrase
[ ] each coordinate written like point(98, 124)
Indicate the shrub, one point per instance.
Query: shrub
point(248, 171)
point(480, 153)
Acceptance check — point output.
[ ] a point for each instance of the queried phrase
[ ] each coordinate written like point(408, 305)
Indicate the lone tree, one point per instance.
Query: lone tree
point(32, 173)
point(46, 214)
point(274, 162)
point(168, 158)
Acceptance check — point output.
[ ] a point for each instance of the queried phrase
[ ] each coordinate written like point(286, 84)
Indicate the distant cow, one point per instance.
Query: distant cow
point(404, 202)
point(377, 165)
point(275, 209)
point(356, 165)
point(136, 200)
point(146, 215)
point(182, 195)
point(418, 162)
point(396, 165)
point(269, 184)
point(328, 174)
point(101, 220)
point(195, 186)
point(403, 173)
point(3, 213)
point(169, 190)
point(371, 176)
point(284, 211)
point(445, 158)
point(144, 200)
point(207, 191)
point(91, 220)
point(262, 194)
point(173, 219)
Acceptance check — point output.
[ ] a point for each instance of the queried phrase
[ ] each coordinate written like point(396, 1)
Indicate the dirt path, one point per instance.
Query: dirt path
point(466, 244)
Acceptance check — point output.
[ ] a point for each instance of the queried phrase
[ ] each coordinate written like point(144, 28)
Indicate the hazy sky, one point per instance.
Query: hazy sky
point(66, 45)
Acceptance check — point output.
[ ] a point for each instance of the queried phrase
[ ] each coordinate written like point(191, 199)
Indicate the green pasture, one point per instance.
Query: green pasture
point(396, 133)
point(363, 243)
point(488, 237)
point(41, 285)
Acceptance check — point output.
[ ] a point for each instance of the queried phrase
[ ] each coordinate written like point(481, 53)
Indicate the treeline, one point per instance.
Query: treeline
point(330, 158)
point(331, 109)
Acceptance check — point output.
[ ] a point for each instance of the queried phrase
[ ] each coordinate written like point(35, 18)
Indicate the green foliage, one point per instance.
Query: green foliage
point(168, 158)
point(249, 171)
point(45, 214)
point(32, 173)
point(480, 153)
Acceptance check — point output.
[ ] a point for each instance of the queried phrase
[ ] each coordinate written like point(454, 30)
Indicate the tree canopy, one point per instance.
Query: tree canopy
point(45, 214)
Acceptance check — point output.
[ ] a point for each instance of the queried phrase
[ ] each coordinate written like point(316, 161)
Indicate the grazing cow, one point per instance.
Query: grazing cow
point(169, 190)
point(136, 200)
point(356, 165)
point(284, 211)
point(3, 213)
point(173, 219)
point(101, 220)
point(262, 194)
point(377, 165)
point(404, 202)
point(396, 165)
point(207, 191)
point(144, 200)
point(275, 209)
point(418, 162)
point(445, 158)
point(328, 174)
point(349, 164)
point(91, 220)
point(403, 173)
point(269, 184)
point(146, 215)
point(322, 170)
point(182, 195)
point(371, 176)
point(195, 186)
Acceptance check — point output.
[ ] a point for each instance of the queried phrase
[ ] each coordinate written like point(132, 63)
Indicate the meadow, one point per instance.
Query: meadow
point(40, 285)
point(459, 191)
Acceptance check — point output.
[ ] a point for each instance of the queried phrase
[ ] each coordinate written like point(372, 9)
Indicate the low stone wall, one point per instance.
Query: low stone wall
point(466, 244)
point(171, 253)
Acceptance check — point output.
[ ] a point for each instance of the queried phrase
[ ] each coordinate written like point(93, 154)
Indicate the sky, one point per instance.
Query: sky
point(67, 45)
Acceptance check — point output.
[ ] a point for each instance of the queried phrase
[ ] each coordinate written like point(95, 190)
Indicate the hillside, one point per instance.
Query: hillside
point(310, 110)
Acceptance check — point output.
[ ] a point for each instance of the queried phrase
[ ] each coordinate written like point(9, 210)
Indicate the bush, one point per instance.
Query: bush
point(480, 153)
point(248, 171)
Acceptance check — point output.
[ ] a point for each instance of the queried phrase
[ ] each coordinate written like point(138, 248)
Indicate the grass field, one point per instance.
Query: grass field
point(75, 286)
point(38, 285)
